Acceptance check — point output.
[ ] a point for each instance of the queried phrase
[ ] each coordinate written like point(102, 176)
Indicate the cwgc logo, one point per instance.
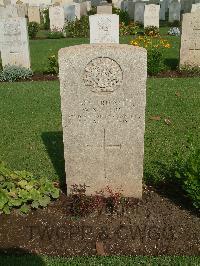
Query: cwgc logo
point(103, 74)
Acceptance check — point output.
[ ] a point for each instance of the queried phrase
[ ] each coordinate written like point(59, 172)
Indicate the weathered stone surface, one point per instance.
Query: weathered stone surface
point(151, 15)
point(14, 42)
point(103, 95)
point(104, 28)
point(106, 9)
point(190, 39)
point(34, 14)
point(57, 18)
point(8, 12)
point(174, 11)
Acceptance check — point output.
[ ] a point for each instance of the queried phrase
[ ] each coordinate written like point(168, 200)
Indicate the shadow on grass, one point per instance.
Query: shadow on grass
point(172, 63)
point(55, 148)
point(19, 257)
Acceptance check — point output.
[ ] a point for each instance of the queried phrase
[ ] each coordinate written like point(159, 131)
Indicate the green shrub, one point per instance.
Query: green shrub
point(130, 29)
point(53, 67)
point(22, 190)
point(123, 15)
point(152, 31)
point(154, 61)
point(33, 28)
point(155, 48)
point(186, 172)
point(55, 34)
point(182, 175)
point(45, 19)
point(78, 28)
point(14, 73)
point(93, 11)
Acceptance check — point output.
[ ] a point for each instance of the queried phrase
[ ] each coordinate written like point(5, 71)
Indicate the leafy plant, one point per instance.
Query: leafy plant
point(154, 61)
point(93, 11)
point(182, 175)
point(186, 172)
point(55, 34)
point(22, 190)
point(106, 199)
point(53, 67)
point(33, 28)
point(130, 29)
point(151, 31)
point(123, 15)
point(154, 46)
point(78, 28)
point(15, 73)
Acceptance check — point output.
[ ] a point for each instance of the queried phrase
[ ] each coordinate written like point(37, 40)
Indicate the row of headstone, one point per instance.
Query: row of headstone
point(174, 8)
point(67, 11)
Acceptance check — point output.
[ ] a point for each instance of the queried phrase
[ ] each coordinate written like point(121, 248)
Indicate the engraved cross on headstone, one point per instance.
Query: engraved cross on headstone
point(106, 146)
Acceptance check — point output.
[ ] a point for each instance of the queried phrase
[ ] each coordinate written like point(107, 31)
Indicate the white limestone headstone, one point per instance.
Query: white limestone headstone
point(103, 98)
point(57, 18)
point(104, 28)
point(34, 14)
point(14, 42)
point(104, 9)
point(151, 15)
point(190, 39)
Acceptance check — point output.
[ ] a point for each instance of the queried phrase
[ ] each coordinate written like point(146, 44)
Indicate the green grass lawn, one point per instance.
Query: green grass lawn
point(41, 49)
point(94, 261)
point(31, 132)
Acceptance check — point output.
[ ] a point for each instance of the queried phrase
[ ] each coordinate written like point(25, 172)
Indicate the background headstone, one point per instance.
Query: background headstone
point(57, 18)
point(174, 11)
point(71, 11)
point(151, 15)
point(104, 28)
point(139, 12)
point(34, 14)
point(162, 9)
point(195, 7)
point(190, 39)
point(106, 9)
point(83, 8)
point(103, 98)
point(14, 42)
point(130, 8)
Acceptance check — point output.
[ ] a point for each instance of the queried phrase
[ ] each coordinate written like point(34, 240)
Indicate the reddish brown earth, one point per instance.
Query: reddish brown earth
point(156, 225)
